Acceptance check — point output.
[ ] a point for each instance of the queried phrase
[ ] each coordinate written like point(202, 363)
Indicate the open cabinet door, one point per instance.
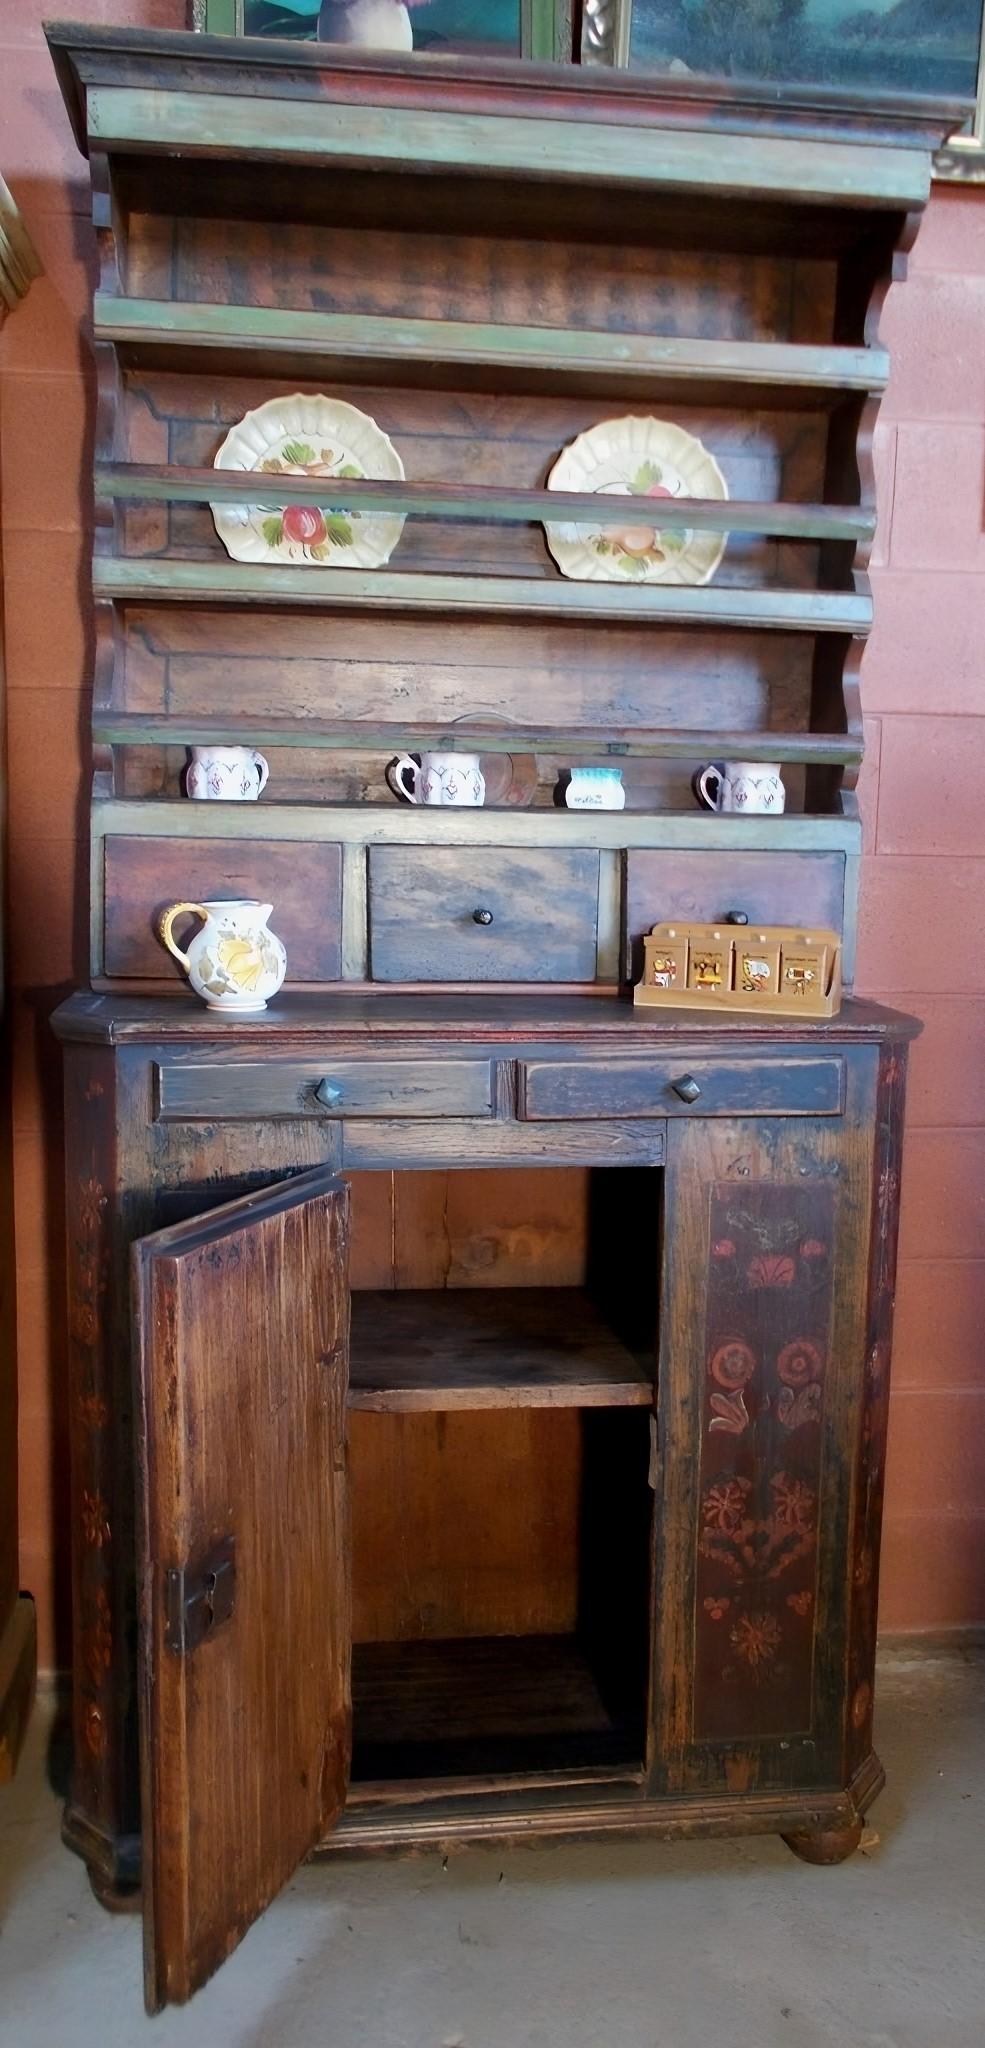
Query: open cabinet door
point(241, 1324)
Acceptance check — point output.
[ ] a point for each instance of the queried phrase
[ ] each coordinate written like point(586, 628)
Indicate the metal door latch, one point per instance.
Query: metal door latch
point(199, 1597)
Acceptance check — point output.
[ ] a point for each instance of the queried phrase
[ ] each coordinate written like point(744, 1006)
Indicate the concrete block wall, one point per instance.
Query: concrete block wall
point(923, 926)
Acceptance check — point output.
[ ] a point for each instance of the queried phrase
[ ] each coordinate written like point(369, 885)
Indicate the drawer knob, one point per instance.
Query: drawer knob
point(482, 917)
point(329, 1094)
point(687, 1088)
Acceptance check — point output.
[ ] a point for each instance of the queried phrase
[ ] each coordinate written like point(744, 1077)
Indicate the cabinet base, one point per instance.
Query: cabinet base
point(407, 1821)
point(825, 1845)
point(819, 1827)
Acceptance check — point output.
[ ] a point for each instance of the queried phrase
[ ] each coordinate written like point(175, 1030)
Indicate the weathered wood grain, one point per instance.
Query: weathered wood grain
point(478, 1347)
point(481, 354)
point(142, 876)
point(801, 889)
point(628, 1087)
point(241, 1337)
point(153, 483)
point(253, 583)
point(245, 1089)
point(423, 922)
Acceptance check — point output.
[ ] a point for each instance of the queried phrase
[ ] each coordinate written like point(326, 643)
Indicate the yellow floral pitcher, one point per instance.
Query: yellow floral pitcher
point(234, 963)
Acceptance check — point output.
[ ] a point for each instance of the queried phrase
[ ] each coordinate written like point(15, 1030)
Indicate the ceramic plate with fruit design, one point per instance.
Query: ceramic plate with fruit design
point(309, 436)
point(639, 458)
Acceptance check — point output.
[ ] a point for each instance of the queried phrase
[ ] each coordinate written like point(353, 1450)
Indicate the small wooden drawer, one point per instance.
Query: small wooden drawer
point(701, 886)
point(489, 914)
point(142, 876)
point(788, 1085)
point(188, 1090)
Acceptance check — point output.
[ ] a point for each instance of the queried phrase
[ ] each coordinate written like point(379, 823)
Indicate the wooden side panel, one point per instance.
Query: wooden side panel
point(801, 889)
point(241, 1328)
point(142, 876)
point(874, 1417)
point(448, 914)
point(760, 1399)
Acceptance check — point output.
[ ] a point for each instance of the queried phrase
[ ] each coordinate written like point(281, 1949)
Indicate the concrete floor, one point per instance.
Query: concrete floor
point(698, 1945)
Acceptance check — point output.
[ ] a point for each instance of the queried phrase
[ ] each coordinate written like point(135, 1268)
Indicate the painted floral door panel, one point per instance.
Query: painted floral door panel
point(762, 1351)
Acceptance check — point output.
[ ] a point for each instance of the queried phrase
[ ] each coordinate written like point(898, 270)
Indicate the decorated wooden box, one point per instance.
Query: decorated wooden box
point(776, 970)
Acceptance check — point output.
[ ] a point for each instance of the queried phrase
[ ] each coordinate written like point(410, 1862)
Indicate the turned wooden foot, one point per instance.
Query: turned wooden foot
point(825, 1845)
point(116, 1898)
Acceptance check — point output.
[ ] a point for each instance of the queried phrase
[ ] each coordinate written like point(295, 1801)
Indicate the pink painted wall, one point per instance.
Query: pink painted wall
point(923, 937)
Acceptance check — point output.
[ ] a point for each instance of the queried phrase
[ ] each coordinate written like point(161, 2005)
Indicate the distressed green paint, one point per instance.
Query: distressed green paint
point(137, 728)
point(412, 824)
point(808, 611)
point(153, 483)
point(591, 152)
point(374, 337)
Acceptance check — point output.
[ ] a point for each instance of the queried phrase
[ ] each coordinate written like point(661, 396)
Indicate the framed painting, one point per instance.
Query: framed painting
point(900, 48)
point(539, 29)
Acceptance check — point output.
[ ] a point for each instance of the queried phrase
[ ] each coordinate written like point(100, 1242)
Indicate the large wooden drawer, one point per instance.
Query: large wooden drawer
point(794, 1084)
point(142, 876)
point(702, 885)
point(489, 914)
point(191, 1089)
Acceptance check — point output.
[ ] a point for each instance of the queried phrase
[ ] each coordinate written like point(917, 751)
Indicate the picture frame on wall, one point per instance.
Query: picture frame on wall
point(900, 48)
point(541, 30)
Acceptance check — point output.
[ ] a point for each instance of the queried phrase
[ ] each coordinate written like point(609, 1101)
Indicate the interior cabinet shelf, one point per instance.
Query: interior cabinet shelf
point(487, 1703)
point(414, 352)
point(156, 483)
point(139, 579)
point(518, 1347)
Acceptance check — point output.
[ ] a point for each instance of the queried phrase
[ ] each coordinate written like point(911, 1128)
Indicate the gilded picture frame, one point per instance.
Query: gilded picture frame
point(546, 26)
point(606, 39)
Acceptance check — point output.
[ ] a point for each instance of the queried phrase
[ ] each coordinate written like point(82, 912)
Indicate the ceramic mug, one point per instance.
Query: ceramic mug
point(438, 779)
point(595, 789)
point(740, 786)
point(231, 774)
point(234, 963)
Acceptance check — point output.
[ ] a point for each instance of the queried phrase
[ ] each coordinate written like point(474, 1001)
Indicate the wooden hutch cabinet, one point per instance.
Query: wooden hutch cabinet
point(479, 1385)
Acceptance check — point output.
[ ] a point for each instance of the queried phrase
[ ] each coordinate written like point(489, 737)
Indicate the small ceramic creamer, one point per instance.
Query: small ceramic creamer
point(438, 779)
point(595, 789)
point(234, 963)
point(226, 774)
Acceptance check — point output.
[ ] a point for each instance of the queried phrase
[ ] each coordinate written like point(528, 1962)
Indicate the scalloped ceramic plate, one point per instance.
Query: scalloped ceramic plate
point(637, 458)
point(309, 436)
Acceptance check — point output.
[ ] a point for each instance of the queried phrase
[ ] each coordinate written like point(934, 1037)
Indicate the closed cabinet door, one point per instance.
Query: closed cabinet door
point(761, 1408)
point(241, 1328)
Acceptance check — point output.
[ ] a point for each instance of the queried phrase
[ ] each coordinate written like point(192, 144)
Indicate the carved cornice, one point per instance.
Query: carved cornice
point(18, 258)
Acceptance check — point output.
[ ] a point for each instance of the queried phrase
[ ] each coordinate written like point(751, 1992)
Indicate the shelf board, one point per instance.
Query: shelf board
point(487, 1703)
point(137, 728)
point(489, 1347)
point(158, 483)
point(361, 347)
point(392, 823)
point(140, 579)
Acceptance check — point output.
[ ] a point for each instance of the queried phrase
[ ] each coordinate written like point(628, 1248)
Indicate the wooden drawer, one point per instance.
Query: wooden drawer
point(788, 1085)
point(353, 1087)
point(142, 876)
point(702, 886)
point(489, 914)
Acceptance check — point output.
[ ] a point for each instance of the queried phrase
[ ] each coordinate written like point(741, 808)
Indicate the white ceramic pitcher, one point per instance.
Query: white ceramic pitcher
point(226, 774)
point(234, 963)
